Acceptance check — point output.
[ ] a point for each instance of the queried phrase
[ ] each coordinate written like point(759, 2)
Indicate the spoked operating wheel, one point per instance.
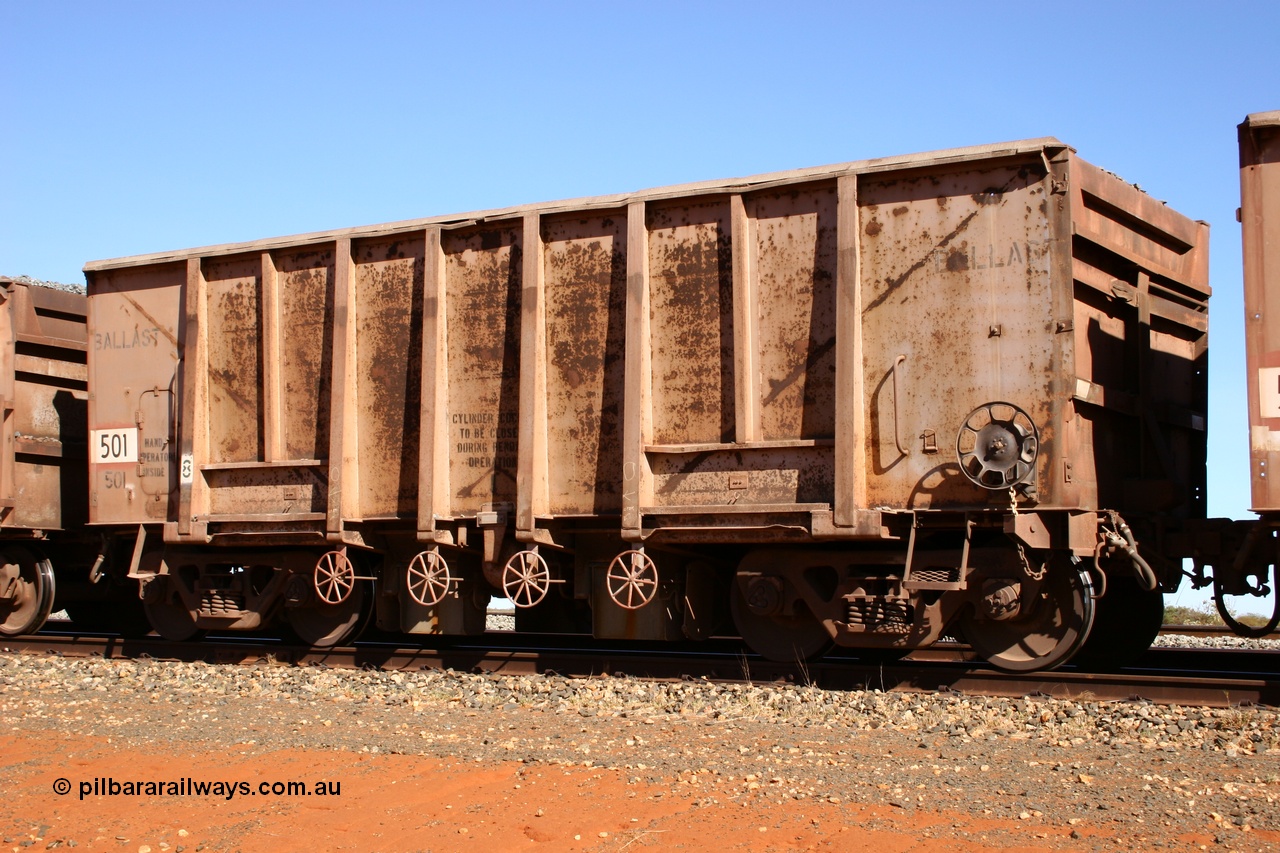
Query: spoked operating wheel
point(428, 578)
point(526, 578)
point(997, 446)
point(1021, 624)
point(334, 577)
point(26, 591)
point(339, 608)
point(632, 580)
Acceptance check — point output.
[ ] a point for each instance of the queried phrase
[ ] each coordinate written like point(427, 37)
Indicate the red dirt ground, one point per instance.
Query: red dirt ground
point(399, 802)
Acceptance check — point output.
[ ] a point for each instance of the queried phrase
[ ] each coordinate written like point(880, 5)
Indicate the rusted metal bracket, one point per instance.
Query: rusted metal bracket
point(492, 521)
point(867, 524)
point(139, 545)
point(1029, 529)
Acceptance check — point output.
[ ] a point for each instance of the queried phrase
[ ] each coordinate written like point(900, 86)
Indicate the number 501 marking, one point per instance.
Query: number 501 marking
point(114, 445)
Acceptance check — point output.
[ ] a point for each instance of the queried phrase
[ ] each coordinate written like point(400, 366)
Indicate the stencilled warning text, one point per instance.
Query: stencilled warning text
point(487, 439)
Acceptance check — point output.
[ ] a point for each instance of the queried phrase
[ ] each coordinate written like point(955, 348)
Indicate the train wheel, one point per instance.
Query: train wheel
point(773, 635)
point(170, 619)
point(1127, 622)
point(1045, 632)
point(26, 587)
point(325, 625)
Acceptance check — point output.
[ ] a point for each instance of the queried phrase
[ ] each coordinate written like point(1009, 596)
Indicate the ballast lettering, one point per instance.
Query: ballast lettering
point(126, 339)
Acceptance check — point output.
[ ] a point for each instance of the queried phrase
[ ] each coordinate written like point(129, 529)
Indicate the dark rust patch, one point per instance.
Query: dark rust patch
point(691, 280)
point(484, 297)
point(306, 308)
point(388, 321)
point(235, 359)
point(795, 262)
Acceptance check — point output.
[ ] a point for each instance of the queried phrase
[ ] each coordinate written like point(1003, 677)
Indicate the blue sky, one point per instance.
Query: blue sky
point(133, 127)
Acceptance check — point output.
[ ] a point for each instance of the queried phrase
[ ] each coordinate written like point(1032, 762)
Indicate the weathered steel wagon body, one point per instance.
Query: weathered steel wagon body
point(1260, 223)
point(859, 403)
point(42, 443)
point(1245, 555)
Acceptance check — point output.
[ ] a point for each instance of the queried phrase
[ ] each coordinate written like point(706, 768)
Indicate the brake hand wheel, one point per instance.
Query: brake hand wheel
point(997, 446)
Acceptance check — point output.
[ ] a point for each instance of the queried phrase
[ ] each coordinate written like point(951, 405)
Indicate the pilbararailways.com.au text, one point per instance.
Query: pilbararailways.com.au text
point(187, 787)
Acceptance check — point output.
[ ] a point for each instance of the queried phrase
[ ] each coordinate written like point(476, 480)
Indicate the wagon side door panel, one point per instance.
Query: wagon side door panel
point(134, 356)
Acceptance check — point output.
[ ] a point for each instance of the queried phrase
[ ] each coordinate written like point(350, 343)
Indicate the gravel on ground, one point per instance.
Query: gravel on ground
point(925, 771)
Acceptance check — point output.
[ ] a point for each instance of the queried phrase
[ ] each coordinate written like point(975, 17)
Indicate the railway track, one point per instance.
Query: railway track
point(1208, 677)
point(1207, 631)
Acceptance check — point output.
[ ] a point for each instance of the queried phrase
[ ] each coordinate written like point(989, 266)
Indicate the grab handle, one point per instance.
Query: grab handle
point(897, 422)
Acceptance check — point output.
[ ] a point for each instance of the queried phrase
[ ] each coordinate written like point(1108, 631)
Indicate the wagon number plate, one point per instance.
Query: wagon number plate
point(114, 445)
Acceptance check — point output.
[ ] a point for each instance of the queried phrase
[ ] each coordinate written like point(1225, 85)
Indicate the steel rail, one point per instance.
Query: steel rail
point(1207, 631)
point(1162, 676)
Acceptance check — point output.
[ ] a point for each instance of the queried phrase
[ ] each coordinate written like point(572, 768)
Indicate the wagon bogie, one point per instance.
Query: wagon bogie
point(187, 591)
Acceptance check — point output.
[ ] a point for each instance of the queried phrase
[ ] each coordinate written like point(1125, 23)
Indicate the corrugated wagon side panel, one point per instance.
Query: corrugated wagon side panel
point(483, 283)
point(388, 373)
point(257, 410)
point(741, 338)
point(234, 341)
point(585, 281)
point(691, 299)
point(306, 303)
point(795, 264)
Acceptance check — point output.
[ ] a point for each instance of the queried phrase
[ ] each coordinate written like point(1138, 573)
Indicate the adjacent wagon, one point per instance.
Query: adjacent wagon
point(42, 445)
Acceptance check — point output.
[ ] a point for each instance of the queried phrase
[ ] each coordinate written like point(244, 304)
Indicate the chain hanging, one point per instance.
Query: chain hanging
point(1034, 574)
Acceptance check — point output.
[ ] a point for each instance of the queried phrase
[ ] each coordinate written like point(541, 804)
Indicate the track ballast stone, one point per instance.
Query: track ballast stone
point(1148, 772)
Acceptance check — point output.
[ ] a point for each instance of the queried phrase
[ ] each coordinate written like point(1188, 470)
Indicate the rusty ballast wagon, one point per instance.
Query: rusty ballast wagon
point(1242, 558)
point(854, 404)
point(42, 445)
